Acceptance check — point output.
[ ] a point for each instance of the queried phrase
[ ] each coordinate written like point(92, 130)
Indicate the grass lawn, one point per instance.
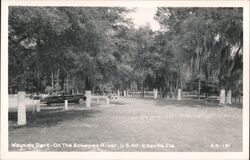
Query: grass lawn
point(131, 125)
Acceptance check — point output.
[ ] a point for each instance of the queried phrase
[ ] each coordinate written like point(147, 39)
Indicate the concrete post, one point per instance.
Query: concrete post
point(38, 105)
point(88, 98)
point(21, 111)
point(107, 100)
point(222, 96)
point(118, 94)
point(155, 93)
point(33, 106)
point(229, 97)
point(66, 104)
point(179, 94)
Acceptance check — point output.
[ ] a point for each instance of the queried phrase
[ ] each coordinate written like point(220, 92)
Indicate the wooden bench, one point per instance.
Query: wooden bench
point(213, 99)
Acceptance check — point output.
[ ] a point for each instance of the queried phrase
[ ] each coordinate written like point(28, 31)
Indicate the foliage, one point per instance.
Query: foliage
point(58, 87)
point(49, 89)
point(206, 40)
point(98, 48)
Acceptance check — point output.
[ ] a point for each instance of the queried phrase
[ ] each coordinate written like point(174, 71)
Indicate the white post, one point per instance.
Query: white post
point(179, 94)
point(229, 97)
point(107, 99)
point(98, 100)
point(21, 112)
point(118, 94)
point(125, 94)
point(38, 105)
point(66, 104)
point(33, 106)
point(155, 93)
point(88, 98)
point(222, 96)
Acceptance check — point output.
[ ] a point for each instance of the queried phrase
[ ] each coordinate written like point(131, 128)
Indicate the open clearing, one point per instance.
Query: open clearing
point(130, 124)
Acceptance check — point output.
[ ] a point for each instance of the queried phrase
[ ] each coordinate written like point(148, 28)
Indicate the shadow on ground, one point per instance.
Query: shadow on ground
point(49, 118)
point(192, 103)
point(118, 103)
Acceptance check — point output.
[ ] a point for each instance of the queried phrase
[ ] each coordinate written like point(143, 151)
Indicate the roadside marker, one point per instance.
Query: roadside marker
point(88, 98)
point(155, 93)
point(66, 104)
point(118, 94)
point(179, 94)
point(21, 111)
point(38, 105)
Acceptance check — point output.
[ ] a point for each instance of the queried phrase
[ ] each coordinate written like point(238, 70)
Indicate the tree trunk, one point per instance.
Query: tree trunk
point(171, 86)
point(176, 88)
point(181, 84)
point(64, 84)
point(229, 97)
point(67, 83)
point(52, 79)
point(38, 81)
point(58, 75)
point(181, 81)
point(167, 91)
point(160, 93)
point(199, 88)
point(143, 91)
point(222, 96)
point(163, 92)
point(87, 83)
point(171, 92)
point(179, 94)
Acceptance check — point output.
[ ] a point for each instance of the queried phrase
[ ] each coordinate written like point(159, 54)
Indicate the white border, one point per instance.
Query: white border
point(121, 155)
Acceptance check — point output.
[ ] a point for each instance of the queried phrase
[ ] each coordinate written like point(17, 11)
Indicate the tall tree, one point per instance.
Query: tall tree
point(206, 38)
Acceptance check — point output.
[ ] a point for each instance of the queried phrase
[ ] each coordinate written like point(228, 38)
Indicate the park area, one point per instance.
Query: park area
point(129, 125)
point(171, 84)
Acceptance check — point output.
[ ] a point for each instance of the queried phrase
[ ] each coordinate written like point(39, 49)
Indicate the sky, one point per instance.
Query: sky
point(142, 16)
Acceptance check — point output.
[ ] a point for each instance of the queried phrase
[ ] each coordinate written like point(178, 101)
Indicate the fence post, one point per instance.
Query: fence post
point(38, 105)
point(155, 93)
point(179, 94)
point(33, 106)
point(66, 104)
point(21, 112)
point(222, 96)
point(88, 98)
point(229, 97)
point(124, 93)
point(118, 94)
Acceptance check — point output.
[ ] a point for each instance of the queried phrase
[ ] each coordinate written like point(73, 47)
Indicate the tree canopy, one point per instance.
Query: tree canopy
point(98, 48)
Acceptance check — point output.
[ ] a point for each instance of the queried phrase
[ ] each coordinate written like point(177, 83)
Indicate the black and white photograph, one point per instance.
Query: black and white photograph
point(125, 79)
